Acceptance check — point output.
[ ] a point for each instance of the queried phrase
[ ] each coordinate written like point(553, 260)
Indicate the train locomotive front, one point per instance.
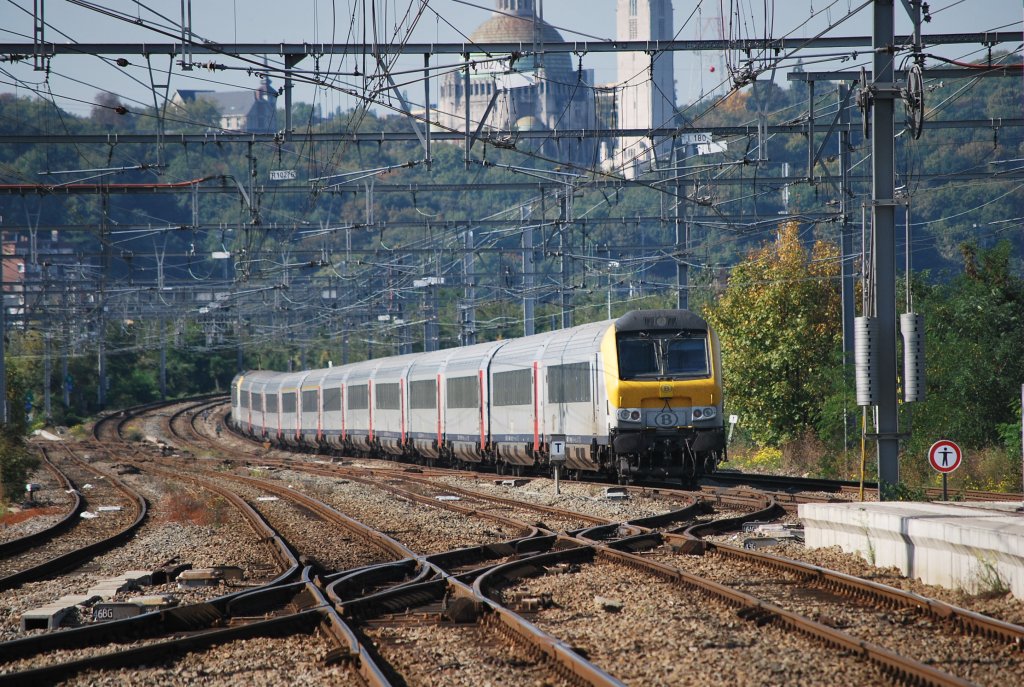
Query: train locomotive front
point(663, 379)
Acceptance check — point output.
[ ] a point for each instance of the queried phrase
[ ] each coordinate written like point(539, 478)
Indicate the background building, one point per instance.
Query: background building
point(646, 90)
point(537, 92)
point(251, 111)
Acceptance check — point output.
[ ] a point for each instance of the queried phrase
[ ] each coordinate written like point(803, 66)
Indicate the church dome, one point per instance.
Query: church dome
point(530, 123)
point(522, 28)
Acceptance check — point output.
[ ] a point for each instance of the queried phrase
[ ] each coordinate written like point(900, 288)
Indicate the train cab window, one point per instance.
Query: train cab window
point(637, 357)
point(663, 354)
point(686, 357)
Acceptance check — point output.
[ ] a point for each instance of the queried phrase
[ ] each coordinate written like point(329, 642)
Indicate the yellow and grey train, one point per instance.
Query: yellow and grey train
point(635, 397)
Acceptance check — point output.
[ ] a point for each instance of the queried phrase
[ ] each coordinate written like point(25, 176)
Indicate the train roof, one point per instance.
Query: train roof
point(642, 320)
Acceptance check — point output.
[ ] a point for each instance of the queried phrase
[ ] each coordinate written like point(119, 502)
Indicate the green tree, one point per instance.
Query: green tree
point(778, 322)
point(16, 461)
point(974, 353)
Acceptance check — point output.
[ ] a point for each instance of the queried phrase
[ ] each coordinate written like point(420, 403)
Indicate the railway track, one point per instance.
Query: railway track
point(953, 639)
point(497, 578)
point(107, 659)
point(117, 512)
point(595, 597)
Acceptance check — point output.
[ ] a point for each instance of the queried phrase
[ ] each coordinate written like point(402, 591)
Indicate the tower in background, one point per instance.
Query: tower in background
point(646, 82)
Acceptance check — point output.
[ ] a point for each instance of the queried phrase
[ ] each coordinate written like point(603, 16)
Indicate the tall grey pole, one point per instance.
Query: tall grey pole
point(465, 95)
point(3, 348)
point(239, 357)
point(565, 246)
point(529, 267)
point(847, 283)
point(883, 213)
point(431, 333)
point(65, 338)
point(101, 356)
point(47, 370)
point(426, 107)
point(682, 236)
point(101, 387)
point(163, 360)
point(469, 307)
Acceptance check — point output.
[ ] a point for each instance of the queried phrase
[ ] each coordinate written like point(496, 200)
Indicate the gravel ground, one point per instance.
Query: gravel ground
point(423, 529)
point(973, 658)
point(35, 520)
point(96, 492)
point(51, 504)
point(668, 635)
point(330, 545)
point(581, 497)
point(446, 654)
point(524, 513)
point(1004, 607)
point(219, 537)
point(257, 662)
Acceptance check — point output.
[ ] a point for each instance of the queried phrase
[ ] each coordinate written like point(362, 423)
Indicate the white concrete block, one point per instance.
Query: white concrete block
point(976, 547)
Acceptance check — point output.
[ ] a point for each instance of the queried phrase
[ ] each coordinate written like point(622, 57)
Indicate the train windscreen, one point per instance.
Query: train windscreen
point(659, 356)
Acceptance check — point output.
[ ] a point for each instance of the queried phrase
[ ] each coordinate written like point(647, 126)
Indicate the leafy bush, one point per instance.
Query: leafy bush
point(765, 460)
point(16, 464)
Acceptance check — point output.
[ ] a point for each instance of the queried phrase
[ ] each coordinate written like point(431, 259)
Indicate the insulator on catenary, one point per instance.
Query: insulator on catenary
point(912, 329)
point(865, 342)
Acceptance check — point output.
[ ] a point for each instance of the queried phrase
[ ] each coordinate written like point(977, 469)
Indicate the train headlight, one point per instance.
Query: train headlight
point(629, 414)
point(704, 413)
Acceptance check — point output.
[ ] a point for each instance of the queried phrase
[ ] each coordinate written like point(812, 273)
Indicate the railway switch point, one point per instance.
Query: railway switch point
point(209, 577)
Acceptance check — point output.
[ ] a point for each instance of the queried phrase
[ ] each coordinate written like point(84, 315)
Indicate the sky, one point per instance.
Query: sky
point(74, 81)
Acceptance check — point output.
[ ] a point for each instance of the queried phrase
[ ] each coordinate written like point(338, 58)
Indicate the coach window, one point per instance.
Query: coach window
point(423, 394)
point(358, 397)
point(463, 392)
point(309, 401)
point(569, 383)
point(332, 399)
point(387, 396)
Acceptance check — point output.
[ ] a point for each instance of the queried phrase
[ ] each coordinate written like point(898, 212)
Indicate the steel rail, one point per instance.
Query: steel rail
point(35, 539)
point(315, 614)
point(356, 474)
point(463, 603)
point(968, 621)
point(379, 539)
point(752, 609)
point(78, 556)
point(284, 554)
point(513, 503)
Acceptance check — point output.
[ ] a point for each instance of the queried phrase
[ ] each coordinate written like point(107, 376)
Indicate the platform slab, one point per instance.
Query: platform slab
point(977, 547)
